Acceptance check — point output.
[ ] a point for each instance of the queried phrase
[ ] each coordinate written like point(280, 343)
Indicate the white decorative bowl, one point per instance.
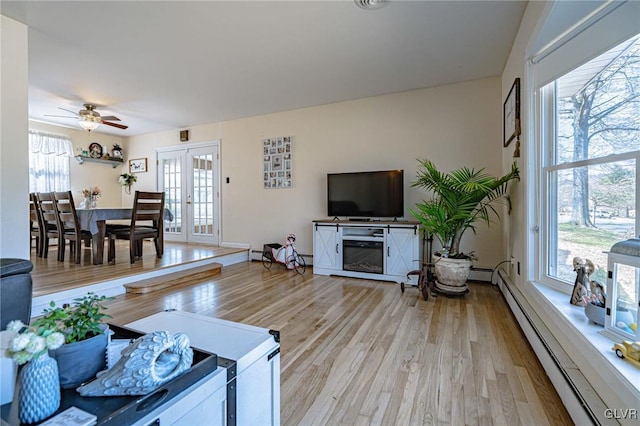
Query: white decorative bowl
point(595, 313)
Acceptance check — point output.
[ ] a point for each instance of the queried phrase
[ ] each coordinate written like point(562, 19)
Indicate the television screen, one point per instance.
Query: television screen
point(366, 194)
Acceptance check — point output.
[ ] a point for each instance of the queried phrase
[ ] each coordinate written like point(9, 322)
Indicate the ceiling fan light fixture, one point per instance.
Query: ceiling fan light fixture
point(371, 4)
point(88, 123)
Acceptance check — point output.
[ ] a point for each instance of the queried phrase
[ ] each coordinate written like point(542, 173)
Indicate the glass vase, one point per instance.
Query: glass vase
point(39, 395)
point(94, 202)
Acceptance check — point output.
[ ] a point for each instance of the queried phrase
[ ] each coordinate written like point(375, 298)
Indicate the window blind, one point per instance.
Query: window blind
point(606, 27)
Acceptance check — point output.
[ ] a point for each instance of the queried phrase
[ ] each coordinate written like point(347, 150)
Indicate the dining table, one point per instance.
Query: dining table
point(94, 220)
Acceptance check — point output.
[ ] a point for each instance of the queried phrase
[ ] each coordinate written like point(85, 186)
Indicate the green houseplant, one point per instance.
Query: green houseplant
point(85, 336)
point(126, 180)
point(460, 199)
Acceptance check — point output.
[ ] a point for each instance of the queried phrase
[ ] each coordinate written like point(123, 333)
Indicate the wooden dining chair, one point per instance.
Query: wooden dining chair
point(35, 226)
point(69, 226)
point(49, 219)
point(146, 223)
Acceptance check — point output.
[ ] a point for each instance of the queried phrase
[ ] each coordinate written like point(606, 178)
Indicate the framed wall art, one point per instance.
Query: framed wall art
point(277, 162)
point(511, 114)
point(139, 165)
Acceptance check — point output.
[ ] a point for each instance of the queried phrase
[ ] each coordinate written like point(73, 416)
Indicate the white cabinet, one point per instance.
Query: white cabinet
point(326, 250)
point(374, 250)
point(202, 404)
point(251, 359)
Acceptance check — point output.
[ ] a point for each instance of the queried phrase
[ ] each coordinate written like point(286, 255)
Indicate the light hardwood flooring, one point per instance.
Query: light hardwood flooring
point(360, 352)
point(51, 276)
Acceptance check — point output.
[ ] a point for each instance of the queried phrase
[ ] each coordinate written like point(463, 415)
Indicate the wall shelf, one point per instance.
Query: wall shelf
point(114, 163)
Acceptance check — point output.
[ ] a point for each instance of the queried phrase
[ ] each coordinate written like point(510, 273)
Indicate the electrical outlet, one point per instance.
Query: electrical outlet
point(513, 261)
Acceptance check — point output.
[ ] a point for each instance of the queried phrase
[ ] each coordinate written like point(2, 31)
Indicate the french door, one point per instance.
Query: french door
point(190, 179)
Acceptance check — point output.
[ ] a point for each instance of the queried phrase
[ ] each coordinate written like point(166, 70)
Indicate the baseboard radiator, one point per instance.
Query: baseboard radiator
point(580, 399)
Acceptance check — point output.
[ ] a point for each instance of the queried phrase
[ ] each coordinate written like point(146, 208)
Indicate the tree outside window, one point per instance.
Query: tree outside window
point(592, 194)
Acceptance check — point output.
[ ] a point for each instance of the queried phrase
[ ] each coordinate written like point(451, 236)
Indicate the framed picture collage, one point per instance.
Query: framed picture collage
point(277, 160)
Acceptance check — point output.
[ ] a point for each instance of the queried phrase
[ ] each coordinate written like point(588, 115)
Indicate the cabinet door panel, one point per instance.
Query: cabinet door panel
point(402, 251)
point(326, 252)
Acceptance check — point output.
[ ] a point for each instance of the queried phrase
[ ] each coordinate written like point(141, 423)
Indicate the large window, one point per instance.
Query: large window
point(591, 161)
point(49, 162)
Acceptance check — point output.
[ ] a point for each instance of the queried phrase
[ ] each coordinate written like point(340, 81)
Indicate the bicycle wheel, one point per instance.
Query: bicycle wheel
point(297, 263)
point(267, 260)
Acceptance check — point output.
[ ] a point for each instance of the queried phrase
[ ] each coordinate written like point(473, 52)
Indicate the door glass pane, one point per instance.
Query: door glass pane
point(173, 193)
point(203, 200)
point(595, 209)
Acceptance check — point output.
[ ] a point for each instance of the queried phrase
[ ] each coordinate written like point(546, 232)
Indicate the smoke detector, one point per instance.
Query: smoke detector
point(371, 4)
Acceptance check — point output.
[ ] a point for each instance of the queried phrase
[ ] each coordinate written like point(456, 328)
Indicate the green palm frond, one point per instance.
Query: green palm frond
point(460, 198)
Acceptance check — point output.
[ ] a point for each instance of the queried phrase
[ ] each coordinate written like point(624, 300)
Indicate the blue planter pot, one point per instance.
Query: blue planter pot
point(79, 362)
point(39, 395)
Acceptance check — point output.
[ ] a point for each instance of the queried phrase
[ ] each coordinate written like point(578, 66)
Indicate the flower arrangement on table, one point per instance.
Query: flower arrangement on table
point(126, 180)
point(31, 342)
point(92, 191)
point(90, 196)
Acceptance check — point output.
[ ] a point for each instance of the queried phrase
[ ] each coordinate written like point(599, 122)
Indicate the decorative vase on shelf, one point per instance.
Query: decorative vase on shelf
point(39, 395)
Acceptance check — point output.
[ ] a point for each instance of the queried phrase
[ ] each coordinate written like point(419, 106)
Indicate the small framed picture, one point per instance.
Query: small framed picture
point(138, 165)
point(511, 114)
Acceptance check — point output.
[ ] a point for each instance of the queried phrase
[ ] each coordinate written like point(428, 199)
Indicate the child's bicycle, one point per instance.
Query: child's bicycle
point(286, 255)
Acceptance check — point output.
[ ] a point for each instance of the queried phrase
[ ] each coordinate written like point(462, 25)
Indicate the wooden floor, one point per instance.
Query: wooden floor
point(51, 276)
point(360, 352)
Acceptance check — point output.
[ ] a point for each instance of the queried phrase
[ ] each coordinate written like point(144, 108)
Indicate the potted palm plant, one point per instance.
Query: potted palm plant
point(85, 337)
point(460, 199)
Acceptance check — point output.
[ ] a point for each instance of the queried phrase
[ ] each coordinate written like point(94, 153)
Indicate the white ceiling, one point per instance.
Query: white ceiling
point(175, 64)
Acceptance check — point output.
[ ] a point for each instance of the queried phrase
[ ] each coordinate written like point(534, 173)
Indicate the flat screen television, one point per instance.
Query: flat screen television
point(366, 194)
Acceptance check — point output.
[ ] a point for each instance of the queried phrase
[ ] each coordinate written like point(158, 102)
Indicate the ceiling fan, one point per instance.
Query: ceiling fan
point(89, 119)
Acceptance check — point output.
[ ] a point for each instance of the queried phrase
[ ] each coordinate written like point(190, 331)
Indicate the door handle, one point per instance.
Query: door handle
point(189, 199)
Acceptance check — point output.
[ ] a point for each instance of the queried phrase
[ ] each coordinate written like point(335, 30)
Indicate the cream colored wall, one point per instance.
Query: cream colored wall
point(89, 174)
point(516, 227)
point(454, 125)
point(14, 160)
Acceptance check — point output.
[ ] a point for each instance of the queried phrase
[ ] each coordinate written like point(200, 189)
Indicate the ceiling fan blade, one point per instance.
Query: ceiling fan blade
point(68, 110)
point(61, 116)
point(119, 126)
point(111, 118)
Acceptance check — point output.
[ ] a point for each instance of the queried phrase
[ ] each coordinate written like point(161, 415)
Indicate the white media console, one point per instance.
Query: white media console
point(378, 250)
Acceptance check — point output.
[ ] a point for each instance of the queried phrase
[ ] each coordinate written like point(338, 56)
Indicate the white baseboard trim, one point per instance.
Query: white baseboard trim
point(257, 255)
point(246, 246)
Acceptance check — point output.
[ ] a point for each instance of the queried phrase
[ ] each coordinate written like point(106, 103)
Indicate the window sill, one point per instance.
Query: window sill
point(574, 316)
